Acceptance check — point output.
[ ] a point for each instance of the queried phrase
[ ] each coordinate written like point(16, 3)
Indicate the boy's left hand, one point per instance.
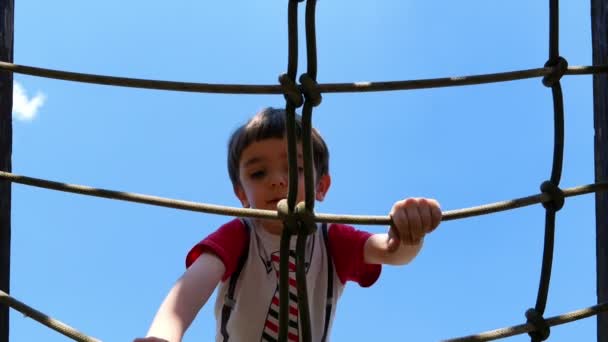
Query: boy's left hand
point(412, 219)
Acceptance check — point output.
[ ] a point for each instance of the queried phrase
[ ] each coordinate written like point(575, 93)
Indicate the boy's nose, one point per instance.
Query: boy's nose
point(279, 180)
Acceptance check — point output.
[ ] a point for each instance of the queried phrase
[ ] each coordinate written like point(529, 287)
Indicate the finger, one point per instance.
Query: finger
point(401, 225)
point(436, 214)
point(415, 222)
point(393, 239)
point(406, 229)
point(424, 208)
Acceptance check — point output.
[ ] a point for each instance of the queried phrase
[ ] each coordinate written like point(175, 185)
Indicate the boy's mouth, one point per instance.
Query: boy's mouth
point(273, 202)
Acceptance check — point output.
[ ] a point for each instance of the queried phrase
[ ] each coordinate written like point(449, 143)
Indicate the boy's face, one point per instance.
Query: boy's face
point(264, 178)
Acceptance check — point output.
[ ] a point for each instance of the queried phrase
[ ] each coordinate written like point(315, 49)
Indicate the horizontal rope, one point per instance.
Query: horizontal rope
point(276, 89)
point(525, 328)
point(38, 316)
point(139, 198)
point(271, 214)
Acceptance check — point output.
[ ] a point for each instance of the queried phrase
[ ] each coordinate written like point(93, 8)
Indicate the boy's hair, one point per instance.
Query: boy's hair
point(267, 124)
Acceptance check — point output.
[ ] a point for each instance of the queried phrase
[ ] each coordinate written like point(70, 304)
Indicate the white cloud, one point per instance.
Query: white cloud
point(24, 108)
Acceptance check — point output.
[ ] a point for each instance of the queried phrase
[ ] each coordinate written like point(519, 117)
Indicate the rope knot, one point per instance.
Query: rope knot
point(306, 217)
point(291, 91)
point(559, 67)
point(556, 194)
point(290, 220)
point(541, 327)
point(310, 88)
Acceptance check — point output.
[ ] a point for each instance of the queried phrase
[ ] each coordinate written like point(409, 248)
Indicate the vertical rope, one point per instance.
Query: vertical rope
point(558, 117)
point(311, 53)
point(303, 307)
point(290, 130)
point(553, 30)
point(307, 225)
point(292, 69)
point(550, 212)
point(559, 65)
point(311, 38)
point(284, 284)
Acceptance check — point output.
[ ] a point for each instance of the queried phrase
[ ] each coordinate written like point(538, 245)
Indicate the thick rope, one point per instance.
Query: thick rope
point(535, 316)
point(290, 225)
point(251, 89)
point(311, 100)
point(41, 318)
point(447, 215)
point(305, 210)
point(528, 327)
point(283, 284)
point(303, 305)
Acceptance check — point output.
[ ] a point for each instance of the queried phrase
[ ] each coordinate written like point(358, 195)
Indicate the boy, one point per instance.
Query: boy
point(257, 164)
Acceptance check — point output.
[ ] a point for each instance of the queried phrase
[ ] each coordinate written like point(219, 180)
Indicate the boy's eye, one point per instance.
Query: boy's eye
point(257, 174)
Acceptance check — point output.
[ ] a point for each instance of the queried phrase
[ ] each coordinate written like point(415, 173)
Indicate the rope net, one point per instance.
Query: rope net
point(299, 219)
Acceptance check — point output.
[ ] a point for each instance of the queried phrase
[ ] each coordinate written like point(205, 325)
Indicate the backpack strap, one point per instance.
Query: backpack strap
point(330, 283)
point(229, 300)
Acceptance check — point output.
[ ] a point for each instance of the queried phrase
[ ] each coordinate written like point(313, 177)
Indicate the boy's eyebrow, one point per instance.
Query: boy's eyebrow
point(255, 160)
point(252, 161)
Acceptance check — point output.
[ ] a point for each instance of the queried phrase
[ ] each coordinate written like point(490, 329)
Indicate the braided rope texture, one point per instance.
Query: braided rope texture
point(299, 218)
point(44, 319)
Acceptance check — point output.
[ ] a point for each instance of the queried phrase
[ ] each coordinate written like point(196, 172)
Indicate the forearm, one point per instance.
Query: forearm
point(172, 318)
point(377, 251)
point(166, 324)
point(186, 298)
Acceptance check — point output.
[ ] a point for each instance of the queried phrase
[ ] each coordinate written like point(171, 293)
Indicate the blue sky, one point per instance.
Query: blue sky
point(104, 266)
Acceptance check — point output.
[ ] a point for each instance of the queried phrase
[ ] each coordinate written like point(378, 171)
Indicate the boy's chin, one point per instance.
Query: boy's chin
point(271, 226)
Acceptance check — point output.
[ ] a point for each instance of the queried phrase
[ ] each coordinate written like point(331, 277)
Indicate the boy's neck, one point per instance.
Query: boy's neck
point(274, 227)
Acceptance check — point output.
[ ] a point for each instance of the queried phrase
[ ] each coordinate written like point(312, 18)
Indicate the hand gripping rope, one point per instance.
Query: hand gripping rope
point(299, 218)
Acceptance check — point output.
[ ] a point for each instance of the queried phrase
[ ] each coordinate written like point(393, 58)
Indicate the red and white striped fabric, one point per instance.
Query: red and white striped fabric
point(271, 327)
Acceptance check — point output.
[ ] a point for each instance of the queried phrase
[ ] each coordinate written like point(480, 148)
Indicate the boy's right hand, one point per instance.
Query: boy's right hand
point(412, 219)
point(149, 339)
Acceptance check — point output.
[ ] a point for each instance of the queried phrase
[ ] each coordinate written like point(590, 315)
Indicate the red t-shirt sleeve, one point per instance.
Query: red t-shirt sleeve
point(347, 248)
point(227, 243)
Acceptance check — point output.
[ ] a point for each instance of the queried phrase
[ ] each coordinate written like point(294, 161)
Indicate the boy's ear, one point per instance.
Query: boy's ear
point(322, 187)
point(240, 194)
